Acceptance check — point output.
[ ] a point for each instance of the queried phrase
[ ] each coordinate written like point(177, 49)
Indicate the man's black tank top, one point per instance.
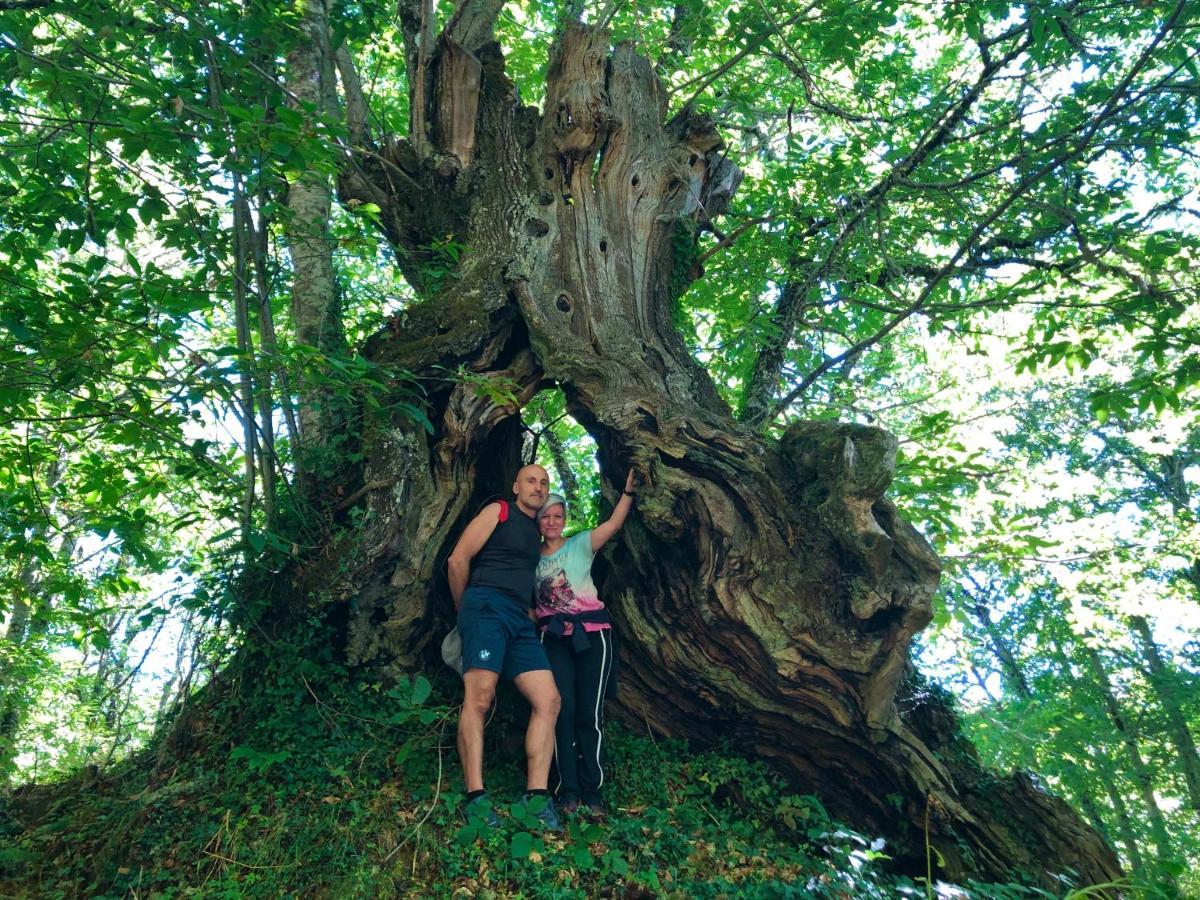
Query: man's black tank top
point(507, 561)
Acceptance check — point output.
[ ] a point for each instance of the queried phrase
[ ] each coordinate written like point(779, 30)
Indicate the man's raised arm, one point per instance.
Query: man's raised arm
point(474, 536)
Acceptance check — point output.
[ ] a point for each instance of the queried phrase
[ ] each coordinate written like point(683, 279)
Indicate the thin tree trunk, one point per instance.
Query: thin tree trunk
point(1010, 667)
point(241, 319)
point(419, 95)
point(1078, 784)
point(28, 622)
point(1014, 675)
point(679, 44)
point(271, 368)
point(166, 695)
point(16, 635)
point(1124, 821)
point(261, 408)
point(18, 619)
point(566, 478)
point(246, 360)
point(1079, 788)
point(1138, 768)
point(1104, 775)
point(316, 308)
point(1162, 682)
point(111, 666)
point(763, 385)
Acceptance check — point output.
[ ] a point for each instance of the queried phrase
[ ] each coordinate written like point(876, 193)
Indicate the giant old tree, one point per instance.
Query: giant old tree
point(559, 211)
point(766, 586)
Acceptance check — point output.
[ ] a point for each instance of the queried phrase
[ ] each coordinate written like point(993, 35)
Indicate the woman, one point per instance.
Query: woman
point(577, 635)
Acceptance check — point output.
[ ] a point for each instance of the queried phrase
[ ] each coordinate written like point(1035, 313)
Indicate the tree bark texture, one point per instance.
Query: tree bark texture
point(763, 588)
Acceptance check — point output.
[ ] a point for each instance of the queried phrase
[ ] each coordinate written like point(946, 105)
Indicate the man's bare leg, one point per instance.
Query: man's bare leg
point(480, 691)
point(538, 688)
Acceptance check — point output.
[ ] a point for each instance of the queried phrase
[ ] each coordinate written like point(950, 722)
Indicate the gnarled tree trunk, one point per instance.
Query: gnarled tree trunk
point(764, 588)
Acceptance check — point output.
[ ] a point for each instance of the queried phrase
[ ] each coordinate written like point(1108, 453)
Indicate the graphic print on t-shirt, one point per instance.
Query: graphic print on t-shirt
point(555, 593)
point(564, 582)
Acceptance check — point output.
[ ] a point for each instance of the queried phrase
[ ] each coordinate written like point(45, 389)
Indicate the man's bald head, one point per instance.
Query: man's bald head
point(531, 488)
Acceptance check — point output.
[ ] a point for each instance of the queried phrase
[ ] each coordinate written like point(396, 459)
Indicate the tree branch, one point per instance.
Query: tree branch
point(356, 102)
point(757, 406)
point(728, 240)
point(419, 79)
point(796, 67)
point(473, 22)
point(708, 78)
point(679, 45)
point(1110, 108)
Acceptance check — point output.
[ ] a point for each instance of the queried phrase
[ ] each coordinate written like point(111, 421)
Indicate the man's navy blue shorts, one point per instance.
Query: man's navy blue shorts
point(498, 635)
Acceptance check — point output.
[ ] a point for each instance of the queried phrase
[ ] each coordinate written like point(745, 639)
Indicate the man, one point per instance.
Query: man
point(491, 579)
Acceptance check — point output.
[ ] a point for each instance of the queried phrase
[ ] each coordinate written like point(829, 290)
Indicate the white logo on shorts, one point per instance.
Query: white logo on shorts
point(485, 654)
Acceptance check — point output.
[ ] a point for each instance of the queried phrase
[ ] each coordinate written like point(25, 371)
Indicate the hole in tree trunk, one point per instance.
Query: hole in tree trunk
point(563, 303)
point(563, 447)
point(573, 459)
point(649, 423)
point(549, 174)
point(603, 246)
point(692, 159)
point(499, 461)
point(637, 179)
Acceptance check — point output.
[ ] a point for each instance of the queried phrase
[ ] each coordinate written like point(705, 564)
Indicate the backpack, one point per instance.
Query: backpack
point(496, 498)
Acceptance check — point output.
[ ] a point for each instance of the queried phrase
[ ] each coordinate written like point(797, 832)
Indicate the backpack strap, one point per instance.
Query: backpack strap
point(496, 498)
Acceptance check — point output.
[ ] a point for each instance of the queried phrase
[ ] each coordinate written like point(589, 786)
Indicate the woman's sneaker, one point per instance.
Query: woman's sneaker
point(480, 810)
point(541, 807)
point(567, 804)
point(595, 804)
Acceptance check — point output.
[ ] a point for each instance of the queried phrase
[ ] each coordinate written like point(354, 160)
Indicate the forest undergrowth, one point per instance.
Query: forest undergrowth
point(318, 783)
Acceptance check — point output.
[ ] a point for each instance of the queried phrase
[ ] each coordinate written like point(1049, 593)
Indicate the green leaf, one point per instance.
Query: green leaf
point(10, 166)
point(522, 845)
point(421, 690)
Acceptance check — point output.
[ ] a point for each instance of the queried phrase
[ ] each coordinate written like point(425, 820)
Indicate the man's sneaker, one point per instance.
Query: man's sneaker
point(480, 810)
point(543, 812)
point(595, 804)
point(567, 804)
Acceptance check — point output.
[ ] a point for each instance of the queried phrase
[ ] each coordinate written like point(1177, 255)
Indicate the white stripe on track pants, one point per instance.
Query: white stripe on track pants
point(582, 680)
